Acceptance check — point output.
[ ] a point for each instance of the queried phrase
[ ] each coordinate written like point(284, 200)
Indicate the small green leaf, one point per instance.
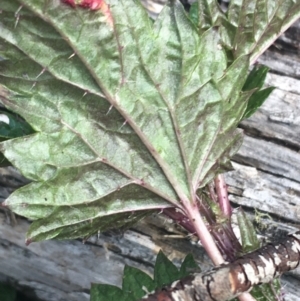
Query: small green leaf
point(268, 291)
point(165, 272)
point(136, 282)
point(193, 13)
point(105, 292)
point(248, 233)
point(256, 78)
point(12, 126)
point(256, 100)
point(188, 266)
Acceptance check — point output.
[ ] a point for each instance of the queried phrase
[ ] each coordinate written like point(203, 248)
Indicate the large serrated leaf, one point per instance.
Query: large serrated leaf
point(130, 116)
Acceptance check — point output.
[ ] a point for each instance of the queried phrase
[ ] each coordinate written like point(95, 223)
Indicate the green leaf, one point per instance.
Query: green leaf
point(267, 291)
point(137, 283)
point(105, 292)
point(129, 118)
point(165, 272)
point(12, 126)
point(193, 13)
point(188, 266)
point(248, 233)
point(255, 80)
point(117, 210)
point(256, 100)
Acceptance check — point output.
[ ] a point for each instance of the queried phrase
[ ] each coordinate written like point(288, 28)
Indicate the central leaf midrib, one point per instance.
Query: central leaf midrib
point(170, 109)
point(177, 128)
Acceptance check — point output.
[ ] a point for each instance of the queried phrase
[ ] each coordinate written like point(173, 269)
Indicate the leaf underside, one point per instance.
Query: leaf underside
point(127, 120)
point(130, 117)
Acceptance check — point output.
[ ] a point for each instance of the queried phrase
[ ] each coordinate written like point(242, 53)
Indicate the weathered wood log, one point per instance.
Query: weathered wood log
point(230, 280)
point(63, 270)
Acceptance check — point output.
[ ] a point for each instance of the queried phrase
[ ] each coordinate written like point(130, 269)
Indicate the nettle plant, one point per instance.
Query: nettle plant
point(126, 116)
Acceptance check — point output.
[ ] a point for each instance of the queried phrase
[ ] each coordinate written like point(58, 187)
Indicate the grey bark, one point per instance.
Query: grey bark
point(230, 280)
point(266, 177)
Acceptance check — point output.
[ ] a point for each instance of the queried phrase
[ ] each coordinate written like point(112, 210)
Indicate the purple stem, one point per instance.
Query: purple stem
point(222, 232)
point(226, 241)
point(180, 218)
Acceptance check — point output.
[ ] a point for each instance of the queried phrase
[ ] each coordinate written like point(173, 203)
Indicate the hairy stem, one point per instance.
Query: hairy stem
point(226, 241)
point(205, 237)
point(207, 241)
point(221, 189)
